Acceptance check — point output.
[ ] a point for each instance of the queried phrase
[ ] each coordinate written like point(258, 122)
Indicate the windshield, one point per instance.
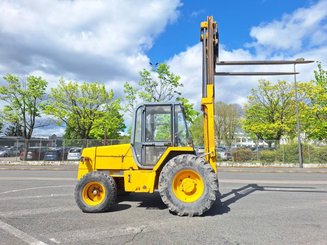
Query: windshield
point(182, 137)
point(76, 150)
point(52, 153)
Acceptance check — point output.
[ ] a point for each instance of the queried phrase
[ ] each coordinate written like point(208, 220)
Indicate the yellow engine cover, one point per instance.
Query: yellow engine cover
point(113, 158)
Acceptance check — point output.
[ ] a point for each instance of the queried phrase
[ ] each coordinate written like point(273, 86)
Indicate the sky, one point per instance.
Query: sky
point(110, 41)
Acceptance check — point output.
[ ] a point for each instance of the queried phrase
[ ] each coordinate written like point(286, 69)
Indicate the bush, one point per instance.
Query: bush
point(267, 156)
point(318, 155)
point(284, 154)
point(288, 153)
point(242, 155)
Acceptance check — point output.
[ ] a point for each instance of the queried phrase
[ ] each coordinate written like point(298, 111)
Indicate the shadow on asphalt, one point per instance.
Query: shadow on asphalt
point(222, 207)
point(120, 207)
point(145, 200)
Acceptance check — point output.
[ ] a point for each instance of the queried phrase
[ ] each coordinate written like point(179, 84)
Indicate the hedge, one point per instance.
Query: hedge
point(283, 154)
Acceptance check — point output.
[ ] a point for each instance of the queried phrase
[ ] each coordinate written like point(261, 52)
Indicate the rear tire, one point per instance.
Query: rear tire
point(95, 192)
point(188, 185)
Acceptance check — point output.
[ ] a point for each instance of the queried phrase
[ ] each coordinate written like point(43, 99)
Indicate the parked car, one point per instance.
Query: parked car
point(9, 151)
point(223, 154)
point(14, 151)
point(34, 153)
point(199, 150)
point(5, 152)
point(74, 154)
point(53, 155)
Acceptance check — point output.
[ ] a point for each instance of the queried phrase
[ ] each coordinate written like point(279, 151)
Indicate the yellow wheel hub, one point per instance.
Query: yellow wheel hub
point(188, 185)
point(93, 193)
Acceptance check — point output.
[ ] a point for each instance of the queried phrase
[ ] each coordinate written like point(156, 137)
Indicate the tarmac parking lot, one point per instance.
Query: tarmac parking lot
point(258, 206)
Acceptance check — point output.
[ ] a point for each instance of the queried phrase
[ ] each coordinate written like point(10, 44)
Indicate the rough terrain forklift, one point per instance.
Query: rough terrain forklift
point(161, 155)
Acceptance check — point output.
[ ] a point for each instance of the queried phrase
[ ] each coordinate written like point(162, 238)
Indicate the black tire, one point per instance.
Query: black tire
point(90, 200)
point(169, 176)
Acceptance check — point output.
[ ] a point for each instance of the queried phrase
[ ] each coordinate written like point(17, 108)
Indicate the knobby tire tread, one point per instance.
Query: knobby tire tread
point(209, 177)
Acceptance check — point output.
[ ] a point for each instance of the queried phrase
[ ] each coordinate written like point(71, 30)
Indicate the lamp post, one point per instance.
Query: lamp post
point(297, 118)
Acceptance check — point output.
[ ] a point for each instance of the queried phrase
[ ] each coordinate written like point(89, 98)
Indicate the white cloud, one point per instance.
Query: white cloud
point(188, 65)
point(304, 28)
point(107, 40)
point(299, 34)
point(100, 40)
point(48, 131)
point(83, 40)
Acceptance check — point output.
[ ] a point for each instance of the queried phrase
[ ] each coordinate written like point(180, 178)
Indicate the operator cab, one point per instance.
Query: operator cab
point(158, 126)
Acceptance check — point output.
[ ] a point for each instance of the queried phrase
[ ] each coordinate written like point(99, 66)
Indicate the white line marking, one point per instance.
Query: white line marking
point(37, 178)
point(84, 235)
point(54, 240)
point(20, 234)
point(29, 212)
point(35, 188)
point(35, 197)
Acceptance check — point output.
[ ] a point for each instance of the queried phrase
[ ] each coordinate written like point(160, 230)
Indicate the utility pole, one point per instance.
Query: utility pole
point(297, 117)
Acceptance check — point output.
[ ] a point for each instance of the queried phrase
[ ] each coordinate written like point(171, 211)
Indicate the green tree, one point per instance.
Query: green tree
point(70, 132)
point(23, 101)
point(157, 85)
point(131, 97)
point(227, 117)
point(87, 109)
point(196, 130)
point(315, 115)
point(270, 111)
point(109, 125)
point(14, 129)
point(190, 113)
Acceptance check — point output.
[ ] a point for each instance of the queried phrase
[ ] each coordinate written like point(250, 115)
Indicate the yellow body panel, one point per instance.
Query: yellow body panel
point(114, 158)
point(144, 180)
point(169, 150)
point(139, 180)
point(87, 164)
point(118, 161)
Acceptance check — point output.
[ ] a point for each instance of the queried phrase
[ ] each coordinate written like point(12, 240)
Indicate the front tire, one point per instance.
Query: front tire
point(188, 185)
point(95, 192)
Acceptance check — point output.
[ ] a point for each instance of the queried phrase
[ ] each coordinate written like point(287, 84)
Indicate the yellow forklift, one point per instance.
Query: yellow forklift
point(161, 155)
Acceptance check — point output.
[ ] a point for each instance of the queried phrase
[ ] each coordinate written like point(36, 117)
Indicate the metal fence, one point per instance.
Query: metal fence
point(45, 149)
point(239, 150)
point(277, 151)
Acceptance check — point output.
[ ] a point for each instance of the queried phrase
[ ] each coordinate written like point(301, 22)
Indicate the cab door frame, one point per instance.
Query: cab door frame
point(139, 148)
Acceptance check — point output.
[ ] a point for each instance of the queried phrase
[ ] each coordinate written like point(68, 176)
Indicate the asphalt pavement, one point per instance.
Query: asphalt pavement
point(257, 206)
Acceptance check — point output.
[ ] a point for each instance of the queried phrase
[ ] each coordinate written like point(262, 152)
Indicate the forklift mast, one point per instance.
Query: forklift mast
point(209, 39)
point(210, 49)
